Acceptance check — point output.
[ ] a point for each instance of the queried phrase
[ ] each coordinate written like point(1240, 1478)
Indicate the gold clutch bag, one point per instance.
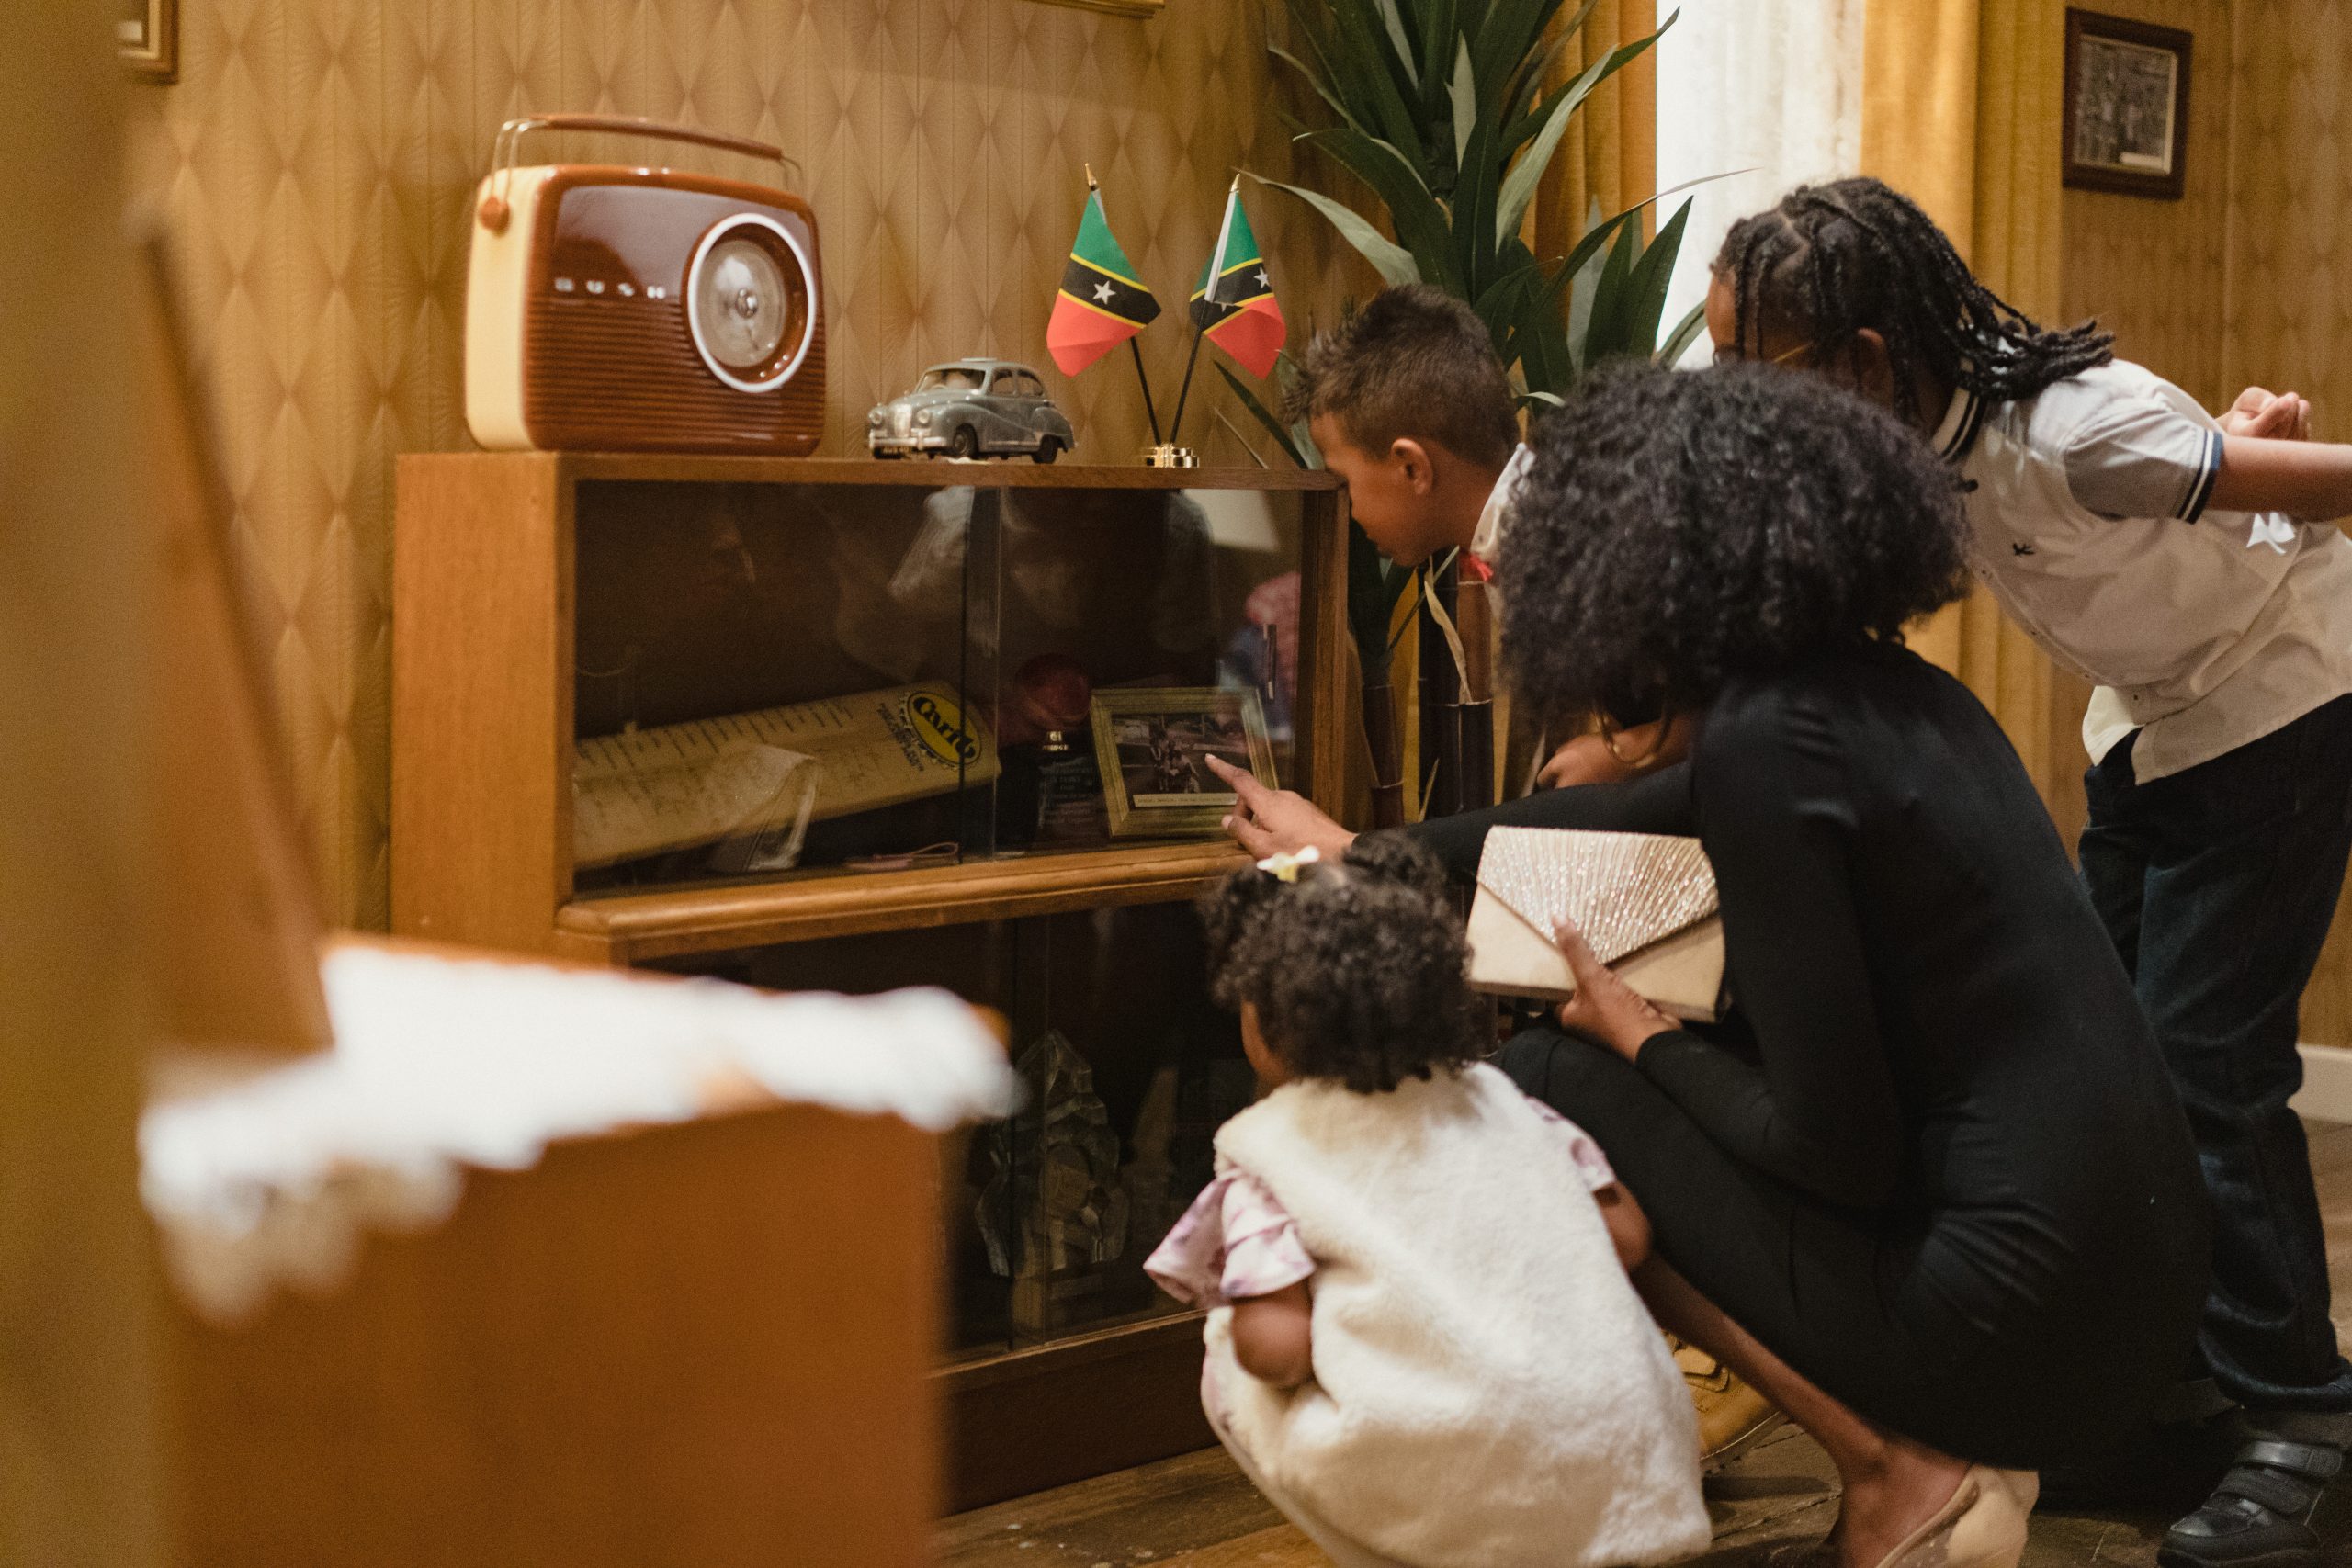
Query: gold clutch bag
point(1645, 901)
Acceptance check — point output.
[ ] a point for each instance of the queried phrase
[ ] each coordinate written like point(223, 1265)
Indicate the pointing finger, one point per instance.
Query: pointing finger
point(1245, 783)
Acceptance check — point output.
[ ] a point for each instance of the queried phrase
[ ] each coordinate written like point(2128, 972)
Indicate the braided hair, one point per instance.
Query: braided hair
point(1833, 259)
point(1358, 967)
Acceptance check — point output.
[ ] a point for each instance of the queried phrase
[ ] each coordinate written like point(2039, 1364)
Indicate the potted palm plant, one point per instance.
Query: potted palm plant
point(1445, 111)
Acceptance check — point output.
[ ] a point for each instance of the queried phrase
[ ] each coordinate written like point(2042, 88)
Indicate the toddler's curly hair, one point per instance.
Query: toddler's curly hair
point(1358, 969)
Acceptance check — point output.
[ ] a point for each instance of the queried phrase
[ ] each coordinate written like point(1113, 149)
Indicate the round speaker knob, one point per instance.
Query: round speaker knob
point(751, 302)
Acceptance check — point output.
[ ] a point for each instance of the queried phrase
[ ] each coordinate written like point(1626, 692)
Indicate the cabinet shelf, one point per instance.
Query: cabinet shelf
point(487, 592)
point(915, 472)
point(638, 928)
point(544, 600)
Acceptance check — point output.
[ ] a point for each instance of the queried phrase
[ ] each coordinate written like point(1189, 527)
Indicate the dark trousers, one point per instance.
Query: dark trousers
point(2218, 885)
point(1917, 1328)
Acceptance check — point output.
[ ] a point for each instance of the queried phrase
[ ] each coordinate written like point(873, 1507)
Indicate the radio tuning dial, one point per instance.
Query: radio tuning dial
point(749, 302)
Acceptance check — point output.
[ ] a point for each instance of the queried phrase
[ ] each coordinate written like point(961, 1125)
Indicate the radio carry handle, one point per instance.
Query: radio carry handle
point(509, 143)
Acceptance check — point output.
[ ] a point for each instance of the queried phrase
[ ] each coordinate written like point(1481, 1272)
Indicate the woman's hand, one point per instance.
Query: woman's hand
point(1277, 821)
point(1605, 1008)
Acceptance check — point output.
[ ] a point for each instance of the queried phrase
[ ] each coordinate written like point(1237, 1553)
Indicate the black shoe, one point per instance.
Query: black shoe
point(2167, 1468)
point(2260, 1515)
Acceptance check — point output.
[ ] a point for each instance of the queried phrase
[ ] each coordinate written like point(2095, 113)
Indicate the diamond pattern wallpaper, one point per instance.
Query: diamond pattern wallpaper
point(2244, 280)
point(2153, 271)
point(314, 163)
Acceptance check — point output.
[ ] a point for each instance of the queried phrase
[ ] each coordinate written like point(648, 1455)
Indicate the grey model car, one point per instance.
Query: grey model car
point(973, 408)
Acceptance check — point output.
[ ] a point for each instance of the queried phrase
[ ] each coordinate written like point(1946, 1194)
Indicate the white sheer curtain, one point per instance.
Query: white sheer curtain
point(1771, 86)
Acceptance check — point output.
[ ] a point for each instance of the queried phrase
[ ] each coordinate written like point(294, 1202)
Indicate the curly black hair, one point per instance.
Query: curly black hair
point(1832, 259)
point(1677, 528)
point(1358, 969)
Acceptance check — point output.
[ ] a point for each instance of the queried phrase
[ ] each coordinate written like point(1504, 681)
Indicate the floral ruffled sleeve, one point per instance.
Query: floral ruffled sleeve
point(1235, 1242)
point(1592, 1164)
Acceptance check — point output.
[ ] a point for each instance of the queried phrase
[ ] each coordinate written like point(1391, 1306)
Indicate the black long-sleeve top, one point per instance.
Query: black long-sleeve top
point(1941, 1024)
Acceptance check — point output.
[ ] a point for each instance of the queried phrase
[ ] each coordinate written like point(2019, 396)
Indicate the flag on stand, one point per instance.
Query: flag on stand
point(1100, 304)
point(1234, 307)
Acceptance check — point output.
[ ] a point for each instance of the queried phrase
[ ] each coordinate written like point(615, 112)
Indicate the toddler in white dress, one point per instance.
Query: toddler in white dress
point(1422, 1344)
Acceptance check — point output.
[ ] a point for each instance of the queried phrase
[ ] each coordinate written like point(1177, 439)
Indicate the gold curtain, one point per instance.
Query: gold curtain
point(1961, 110)
point(1611, 154)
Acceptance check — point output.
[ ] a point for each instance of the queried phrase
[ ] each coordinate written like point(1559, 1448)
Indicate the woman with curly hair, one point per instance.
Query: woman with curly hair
point(1934, 1195)
point(1423, 1345)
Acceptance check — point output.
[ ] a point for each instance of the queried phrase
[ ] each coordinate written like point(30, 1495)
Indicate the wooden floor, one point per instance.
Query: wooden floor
point(1197, 1511)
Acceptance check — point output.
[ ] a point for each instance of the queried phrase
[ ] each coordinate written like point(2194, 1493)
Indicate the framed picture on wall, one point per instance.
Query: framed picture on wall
point(147, 36)
point(2127, 106)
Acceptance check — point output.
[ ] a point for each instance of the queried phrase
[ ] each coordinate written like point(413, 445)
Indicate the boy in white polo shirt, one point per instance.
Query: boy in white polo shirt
point(2177, 561)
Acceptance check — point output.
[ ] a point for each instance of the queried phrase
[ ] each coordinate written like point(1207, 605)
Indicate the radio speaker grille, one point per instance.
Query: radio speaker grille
point(623, 375)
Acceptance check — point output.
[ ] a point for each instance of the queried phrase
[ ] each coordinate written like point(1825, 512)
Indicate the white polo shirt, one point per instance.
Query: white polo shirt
point(1489, 537)
point(2205, 630)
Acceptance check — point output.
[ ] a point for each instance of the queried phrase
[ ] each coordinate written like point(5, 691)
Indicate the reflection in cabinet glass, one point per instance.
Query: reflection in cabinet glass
point(793, 679)
point(1129, 1071)
point(820, 725)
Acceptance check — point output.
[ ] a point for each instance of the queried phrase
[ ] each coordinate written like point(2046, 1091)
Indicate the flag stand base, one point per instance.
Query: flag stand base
point(1170, 458)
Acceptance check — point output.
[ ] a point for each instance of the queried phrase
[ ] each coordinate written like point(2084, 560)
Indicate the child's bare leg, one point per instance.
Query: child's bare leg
point(1893, 1484)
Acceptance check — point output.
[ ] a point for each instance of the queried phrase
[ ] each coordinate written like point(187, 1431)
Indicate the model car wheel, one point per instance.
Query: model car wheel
point(1048, 449)
point(965, 442)
point(889, 453)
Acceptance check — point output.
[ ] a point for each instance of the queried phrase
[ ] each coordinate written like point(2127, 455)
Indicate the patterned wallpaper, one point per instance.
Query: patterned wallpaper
point(2153, 271)
point(2287, 318)
point(2289, 308)
point(2243, 281)
point(315, 159)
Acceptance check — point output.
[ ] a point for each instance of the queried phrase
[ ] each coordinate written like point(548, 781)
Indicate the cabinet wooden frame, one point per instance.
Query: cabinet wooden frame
point(482, 694)
point(483, 619)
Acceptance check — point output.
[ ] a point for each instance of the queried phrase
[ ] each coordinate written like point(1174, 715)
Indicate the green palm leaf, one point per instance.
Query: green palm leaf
point(1392, 261)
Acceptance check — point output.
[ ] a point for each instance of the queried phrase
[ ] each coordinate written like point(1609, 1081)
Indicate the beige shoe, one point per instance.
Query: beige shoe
point(1982, 1527)
point(1733, 1417)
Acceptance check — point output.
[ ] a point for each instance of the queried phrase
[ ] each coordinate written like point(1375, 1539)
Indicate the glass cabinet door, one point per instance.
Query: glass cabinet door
point(1129, 1071)
point(803, 680)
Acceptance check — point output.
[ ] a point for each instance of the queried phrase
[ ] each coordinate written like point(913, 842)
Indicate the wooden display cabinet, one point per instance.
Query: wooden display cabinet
point(541, 601)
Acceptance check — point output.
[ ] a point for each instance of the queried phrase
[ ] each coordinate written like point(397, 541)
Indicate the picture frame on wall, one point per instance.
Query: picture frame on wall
point(1150, 746)
point(147, 37)
point(2127, 106)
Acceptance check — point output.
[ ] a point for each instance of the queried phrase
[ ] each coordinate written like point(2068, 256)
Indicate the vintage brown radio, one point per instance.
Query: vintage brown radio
point(643, 310)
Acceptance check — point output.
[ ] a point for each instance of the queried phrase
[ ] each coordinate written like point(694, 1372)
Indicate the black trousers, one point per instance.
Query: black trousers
point(2218, 885)
point(1905, 1316)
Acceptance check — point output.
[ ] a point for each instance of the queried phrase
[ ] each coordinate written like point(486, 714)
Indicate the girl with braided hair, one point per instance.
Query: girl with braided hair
point(2179, 562)
point(1422, 1343)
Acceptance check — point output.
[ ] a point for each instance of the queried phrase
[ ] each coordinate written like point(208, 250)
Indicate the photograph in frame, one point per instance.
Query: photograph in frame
point(1151, 744)
point(2127, 106)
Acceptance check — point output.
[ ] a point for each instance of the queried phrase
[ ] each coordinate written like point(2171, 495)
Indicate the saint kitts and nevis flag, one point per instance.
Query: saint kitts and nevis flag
point(1234, 307)
point(1100, 304)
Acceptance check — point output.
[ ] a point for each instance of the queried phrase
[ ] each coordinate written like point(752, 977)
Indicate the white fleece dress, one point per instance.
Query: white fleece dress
point(1488, 1391)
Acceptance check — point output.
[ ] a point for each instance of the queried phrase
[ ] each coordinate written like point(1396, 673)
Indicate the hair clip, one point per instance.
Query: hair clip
point(1286, 867)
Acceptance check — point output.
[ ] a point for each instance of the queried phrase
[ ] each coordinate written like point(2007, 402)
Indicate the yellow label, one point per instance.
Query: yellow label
point(938, 722)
